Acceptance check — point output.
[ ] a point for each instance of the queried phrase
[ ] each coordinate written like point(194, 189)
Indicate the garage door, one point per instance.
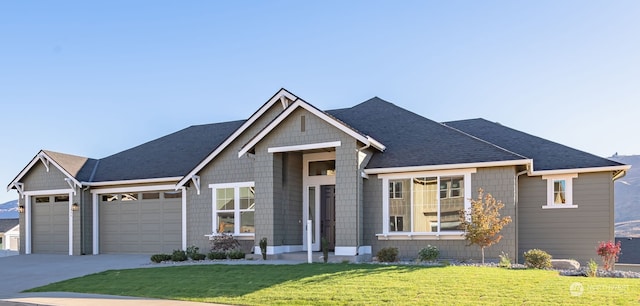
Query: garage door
point(50, 224)
point(140, 222)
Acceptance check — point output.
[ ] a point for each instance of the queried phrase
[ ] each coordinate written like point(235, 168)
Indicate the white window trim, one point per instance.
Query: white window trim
point(568, 178)
point(236, 209)
point(449, 235)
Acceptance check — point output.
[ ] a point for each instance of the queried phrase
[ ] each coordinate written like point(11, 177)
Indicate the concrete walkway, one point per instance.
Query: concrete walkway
point(24, 272)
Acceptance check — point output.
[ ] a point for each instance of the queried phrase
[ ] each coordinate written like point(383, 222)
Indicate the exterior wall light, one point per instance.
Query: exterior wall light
point(21, 209)
point(75, 207)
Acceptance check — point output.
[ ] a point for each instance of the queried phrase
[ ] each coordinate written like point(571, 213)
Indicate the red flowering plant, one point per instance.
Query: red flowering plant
point(609, 253)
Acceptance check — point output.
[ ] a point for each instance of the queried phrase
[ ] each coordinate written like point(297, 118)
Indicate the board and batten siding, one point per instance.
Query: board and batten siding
point(499, 181)
point(569, 232)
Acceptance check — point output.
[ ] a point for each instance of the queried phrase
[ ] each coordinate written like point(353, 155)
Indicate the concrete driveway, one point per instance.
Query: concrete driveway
point(23, 272)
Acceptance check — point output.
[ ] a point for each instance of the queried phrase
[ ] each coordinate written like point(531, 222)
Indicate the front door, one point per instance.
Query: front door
point(328, 215)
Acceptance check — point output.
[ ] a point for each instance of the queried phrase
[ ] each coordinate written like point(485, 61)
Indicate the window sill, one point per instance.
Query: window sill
point(421, 236)
point(236, 236)
point(559, 206)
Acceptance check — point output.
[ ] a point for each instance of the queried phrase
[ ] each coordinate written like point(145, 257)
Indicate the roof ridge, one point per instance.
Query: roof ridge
point(93, 172)
point(482, 140)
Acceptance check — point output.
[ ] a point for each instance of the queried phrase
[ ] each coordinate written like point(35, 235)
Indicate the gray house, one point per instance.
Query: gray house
point(370, 176)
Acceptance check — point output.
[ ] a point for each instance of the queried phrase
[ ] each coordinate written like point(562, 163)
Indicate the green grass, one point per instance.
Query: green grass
point(364, 284)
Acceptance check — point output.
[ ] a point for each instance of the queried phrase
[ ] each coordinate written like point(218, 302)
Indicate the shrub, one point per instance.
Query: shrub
point(158, 258)
point(609, 253)
point(505, 261)
point(263, 248)
point(387, 254)
point(179, 255)
point(537, 259)
point(192, 251)
point(325, 249)
point(592, 268)
point(430, 253)
point(223, 242)
point(217, 255)
point(236, 254)
point(198, 256)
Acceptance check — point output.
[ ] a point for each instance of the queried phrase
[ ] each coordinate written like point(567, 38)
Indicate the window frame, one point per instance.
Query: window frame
point(408, 233)
point(568, 192)
point(237, 211)
point(394, 185)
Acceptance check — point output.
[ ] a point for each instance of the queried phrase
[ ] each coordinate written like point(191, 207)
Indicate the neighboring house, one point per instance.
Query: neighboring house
point(9, 234)
point(370, 176)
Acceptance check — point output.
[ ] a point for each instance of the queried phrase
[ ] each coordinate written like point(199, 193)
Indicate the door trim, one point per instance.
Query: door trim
point(314, 181)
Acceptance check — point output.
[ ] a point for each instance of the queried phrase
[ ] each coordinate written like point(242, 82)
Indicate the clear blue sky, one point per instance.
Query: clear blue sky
point(93, 78)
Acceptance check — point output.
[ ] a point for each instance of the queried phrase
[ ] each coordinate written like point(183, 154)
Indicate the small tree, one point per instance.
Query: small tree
point(609, 253)
point(482, 223)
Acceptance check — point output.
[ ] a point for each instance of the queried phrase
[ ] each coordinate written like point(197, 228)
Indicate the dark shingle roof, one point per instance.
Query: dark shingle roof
point(78, 166)
point(169, 156)
point(546, 155)
point(7, 224)
point(413, 140)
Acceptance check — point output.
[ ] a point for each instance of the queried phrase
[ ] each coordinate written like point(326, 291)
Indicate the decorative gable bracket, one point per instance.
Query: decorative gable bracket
point(44, 161)
point(72, 184)
point(20, 188)
point(196, 183)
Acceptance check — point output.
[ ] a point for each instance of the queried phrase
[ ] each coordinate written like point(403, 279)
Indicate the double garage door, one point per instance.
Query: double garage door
point(50, 224)
point(148, 223)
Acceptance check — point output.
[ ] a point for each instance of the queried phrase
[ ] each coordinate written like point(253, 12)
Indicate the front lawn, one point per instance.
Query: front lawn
point(364, 284)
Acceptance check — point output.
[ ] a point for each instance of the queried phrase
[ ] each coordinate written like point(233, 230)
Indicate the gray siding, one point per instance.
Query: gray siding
point(39, 178)
point(498, 181)
point(572, 232)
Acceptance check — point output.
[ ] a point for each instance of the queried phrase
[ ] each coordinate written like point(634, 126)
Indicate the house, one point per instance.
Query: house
point(369, 176)
point(9, 234)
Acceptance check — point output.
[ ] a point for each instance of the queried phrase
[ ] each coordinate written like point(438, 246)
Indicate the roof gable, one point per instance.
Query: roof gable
point(8, 224)
point(75, 168)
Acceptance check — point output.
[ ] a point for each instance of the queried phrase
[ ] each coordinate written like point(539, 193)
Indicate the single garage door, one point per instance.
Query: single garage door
point(148, 223)
point(50, 224)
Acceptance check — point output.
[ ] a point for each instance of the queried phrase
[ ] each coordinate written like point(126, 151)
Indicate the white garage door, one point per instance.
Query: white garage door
point(50, 224)
point(146, 223)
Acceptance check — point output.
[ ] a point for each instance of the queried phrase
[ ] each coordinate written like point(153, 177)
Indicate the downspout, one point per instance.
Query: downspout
point(516, 197)
point(358, 188)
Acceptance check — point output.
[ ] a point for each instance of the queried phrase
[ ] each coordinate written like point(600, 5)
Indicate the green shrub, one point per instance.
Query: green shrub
point(387, 254)
point(592, 268)
point(158, 258)
point(430, 253)
point(236, 254)
point(224, 242)
point(198, 256)
point(263, 248)
point(217, 255)
point(537, 259)
point(505, 261)
point(179, 255)
point(192, 251)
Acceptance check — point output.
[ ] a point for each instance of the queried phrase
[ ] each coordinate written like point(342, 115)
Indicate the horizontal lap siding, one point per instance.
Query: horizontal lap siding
point(571, 232)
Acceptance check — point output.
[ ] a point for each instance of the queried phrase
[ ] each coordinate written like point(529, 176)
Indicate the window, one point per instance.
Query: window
point(325, 167)
point(173, 194)
point(151, 196)
point(425, 204)
point(109, 197)
point(234, 208)
point(129, 197)
point(61, 198)
point(559, 191)
point(42, 199)
point(395, 189)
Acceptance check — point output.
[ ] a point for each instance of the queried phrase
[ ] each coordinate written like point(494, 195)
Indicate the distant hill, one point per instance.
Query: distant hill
point(9, 210)
point(627, 197)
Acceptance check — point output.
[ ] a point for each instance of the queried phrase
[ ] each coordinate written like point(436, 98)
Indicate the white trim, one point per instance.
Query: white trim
point(364, 249)
point(278, 249)
point(447, 167)
point(131, 182)
point(184, 218)
point(322, 115)
point(236, 209)
point(44, 161)
point(346, 251)
point(27, 225)
point(311, 146)
point(232, 185)
point(316, 182)
point(34, 161)
point(70, 212)
point(133, 189)
point(422, 236)
point(404, 175)
point(48, 192)
point(96, 224)
point(568, 178)
point(196, 183)
point(580, 170)
point(238, 132)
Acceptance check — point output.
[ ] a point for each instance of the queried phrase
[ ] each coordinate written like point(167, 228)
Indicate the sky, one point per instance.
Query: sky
point(93, 78)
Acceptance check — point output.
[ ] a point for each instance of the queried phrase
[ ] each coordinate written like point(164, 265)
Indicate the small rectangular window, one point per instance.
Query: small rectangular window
point(151, 196)
point(559, 189)
point(109, 197)
point(129, 197)
point(61, 198)
point(395, 224)
point(325, 167)
point(395, 189)
point(173, 194)
point(42, 199)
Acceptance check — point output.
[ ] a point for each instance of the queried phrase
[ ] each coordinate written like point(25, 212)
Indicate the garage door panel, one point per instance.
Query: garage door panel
point(50, 227)
point(142, 226)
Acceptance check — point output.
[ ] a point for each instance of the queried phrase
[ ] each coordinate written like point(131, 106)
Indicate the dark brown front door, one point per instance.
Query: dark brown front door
point(328, 214)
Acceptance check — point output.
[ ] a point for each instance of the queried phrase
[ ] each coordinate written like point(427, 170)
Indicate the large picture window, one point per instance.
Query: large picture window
point(428, 204)
point(234, 208)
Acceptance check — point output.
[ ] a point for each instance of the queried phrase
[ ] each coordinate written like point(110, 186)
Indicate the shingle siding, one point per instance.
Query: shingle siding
point(570, 232)
point(39, 178)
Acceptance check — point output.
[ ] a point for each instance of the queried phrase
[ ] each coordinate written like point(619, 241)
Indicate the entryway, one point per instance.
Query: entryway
point(319, 199)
